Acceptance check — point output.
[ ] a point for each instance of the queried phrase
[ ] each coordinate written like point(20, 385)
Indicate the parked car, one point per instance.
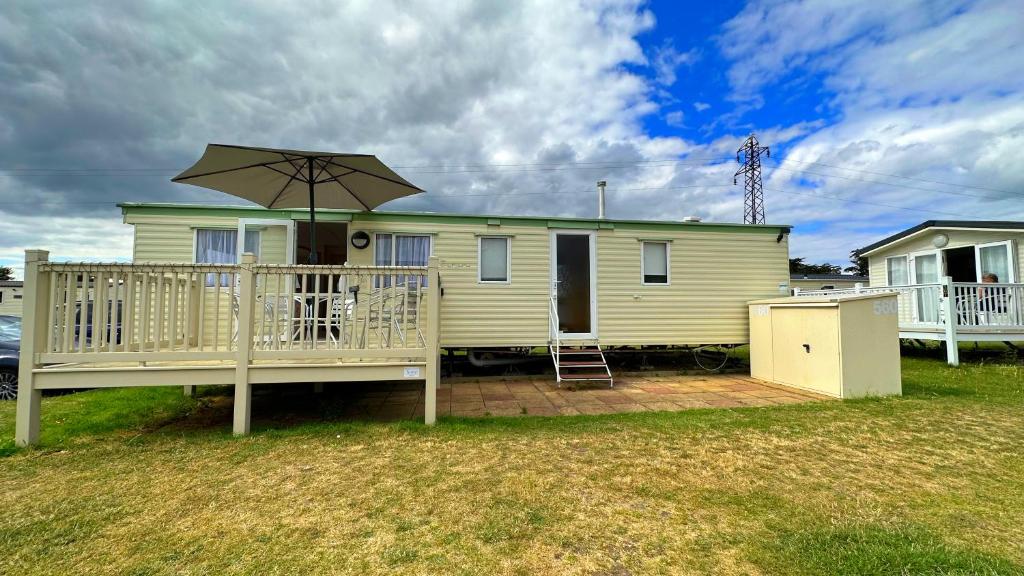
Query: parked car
point(10, 347)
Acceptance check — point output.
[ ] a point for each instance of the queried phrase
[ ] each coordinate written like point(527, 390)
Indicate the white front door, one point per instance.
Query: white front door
point(574, 282)
point(272, 241)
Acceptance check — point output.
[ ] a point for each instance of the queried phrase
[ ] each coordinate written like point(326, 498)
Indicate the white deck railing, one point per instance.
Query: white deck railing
point(338, 308)
point(997, 305)
point(88, 325)
point(150, 312)
point(982, 311)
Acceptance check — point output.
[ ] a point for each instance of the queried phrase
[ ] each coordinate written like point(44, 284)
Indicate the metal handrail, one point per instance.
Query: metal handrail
point(556, 343)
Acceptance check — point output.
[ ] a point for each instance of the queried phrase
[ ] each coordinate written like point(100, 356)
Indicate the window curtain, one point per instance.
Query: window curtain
point(926, 269)
point(382, 250)
point(655, 263)
point(995, 260)
point(494, 259)
point(216, 247)
point(252, 243)
point(406, 251)
point(897, 269)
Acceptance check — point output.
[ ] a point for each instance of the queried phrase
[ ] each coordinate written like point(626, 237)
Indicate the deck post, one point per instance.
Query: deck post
point(190, 391)
point(35, 314)
point(949, 311)
point(243, 346)
point(433, 376)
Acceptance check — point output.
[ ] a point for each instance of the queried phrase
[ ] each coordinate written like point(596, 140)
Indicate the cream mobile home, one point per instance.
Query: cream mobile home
point(956, 281)
point(616, 282)
point(214, 296)
point(10, 297)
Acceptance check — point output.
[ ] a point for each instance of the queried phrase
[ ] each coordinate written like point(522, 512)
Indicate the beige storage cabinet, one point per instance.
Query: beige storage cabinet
point(843, 346)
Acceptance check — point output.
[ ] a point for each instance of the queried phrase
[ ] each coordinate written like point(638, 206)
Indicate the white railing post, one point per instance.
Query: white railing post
point(35, 314)
point(433, 379)
point(243, 346)
point(949, 310)
point(858, 287)
point(796, 291)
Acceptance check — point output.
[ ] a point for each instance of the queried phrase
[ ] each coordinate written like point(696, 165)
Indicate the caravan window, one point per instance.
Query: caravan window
point(995, 259)
point(896, 271)
point(494, 259)
point(401, 250)
point(654, 263)
point(220, 246)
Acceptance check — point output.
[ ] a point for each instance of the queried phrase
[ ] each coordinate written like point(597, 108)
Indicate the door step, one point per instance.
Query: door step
point(581, 363)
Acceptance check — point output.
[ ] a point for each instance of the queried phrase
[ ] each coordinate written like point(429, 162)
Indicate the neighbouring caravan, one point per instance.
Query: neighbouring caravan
point(965, 250)
point(10, 297)
point(805, 282)
point(616, 282)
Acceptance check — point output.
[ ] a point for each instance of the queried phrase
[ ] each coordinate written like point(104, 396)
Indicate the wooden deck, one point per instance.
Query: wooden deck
point(89, 325)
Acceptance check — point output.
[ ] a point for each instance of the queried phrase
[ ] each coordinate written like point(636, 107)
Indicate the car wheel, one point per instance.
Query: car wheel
point(8, 384)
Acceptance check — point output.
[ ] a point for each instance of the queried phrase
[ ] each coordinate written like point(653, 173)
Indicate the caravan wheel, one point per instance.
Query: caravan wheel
point(711, 358)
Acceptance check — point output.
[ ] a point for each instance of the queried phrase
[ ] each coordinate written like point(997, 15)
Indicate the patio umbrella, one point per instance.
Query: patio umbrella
point(280, 178)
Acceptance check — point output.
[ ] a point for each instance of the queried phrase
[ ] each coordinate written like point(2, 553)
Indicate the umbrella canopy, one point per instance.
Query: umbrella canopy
point(281, 178)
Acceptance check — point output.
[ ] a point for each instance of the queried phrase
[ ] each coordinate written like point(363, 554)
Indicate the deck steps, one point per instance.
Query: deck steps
point(581, 363)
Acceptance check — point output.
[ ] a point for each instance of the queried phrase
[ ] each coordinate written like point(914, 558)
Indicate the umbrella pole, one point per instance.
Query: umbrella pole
point(312, 215)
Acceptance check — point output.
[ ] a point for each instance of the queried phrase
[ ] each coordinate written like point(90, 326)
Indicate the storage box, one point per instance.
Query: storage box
point(845, 346)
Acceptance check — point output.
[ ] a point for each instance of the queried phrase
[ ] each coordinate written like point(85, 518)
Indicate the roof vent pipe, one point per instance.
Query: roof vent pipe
point(600, 198)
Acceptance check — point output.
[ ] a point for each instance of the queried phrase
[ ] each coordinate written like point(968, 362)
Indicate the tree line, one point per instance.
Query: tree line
point(858, 266)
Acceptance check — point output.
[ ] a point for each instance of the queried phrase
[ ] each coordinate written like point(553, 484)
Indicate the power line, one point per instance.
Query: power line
point(439, 167)
point(894, 184)
point(439, 194)
point(899, 176)
point(543, 167)
point(841, 199)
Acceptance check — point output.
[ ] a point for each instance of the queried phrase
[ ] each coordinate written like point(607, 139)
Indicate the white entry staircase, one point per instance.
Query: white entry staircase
point(575, 360)
point(584, 363)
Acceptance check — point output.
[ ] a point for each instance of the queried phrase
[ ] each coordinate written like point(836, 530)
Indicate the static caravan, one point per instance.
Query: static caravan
point(965, 250)
point(10, 297)
point(955, 281)
point(504, 279)
point(826, 281)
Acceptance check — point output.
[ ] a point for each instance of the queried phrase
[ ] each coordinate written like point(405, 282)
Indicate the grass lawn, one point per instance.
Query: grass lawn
point(145, 481)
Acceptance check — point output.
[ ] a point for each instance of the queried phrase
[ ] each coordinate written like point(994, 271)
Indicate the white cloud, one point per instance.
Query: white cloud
point(926, 91)
point(921, 89)
point(423, 84)
point(667, 59)
point(675, 118)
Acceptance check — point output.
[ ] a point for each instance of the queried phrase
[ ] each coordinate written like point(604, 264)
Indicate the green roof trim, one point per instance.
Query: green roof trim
point(325, 215)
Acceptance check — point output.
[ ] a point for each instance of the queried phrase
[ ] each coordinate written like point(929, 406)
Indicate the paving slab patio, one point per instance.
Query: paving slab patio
point(541, 396)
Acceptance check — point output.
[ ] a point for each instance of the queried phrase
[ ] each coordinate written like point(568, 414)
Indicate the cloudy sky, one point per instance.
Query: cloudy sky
point(879, 115)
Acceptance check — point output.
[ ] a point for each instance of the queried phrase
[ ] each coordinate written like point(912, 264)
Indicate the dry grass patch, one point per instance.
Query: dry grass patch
point(931, 483)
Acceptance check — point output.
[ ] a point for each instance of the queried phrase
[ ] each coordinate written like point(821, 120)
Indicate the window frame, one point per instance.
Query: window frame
point(480, 259)
point(209, 278)
point(1010, 264)
point(394, 245)
point(668, 263)
point(906, 260)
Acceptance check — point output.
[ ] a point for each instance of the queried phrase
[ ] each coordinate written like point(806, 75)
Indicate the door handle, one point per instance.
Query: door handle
point(807, 348)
